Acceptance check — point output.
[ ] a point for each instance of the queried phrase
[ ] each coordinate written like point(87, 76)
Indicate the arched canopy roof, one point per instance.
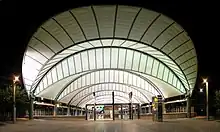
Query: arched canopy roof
point(109, 48)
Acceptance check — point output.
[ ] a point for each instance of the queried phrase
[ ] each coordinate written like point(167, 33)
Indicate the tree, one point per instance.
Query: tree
point(6, 101)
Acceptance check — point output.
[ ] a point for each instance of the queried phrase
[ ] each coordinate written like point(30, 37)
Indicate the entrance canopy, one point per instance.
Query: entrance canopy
point(109, 48)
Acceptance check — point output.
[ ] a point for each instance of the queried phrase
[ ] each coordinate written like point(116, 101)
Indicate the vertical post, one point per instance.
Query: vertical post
point(131, 106)
point(68, 111)
point(113, 105)
point(207, 100)
point(129, 110)
point(14, 103)
point(138, 111)
point(55, 110)
point(121, 111)
point(86, 113)
point(132, 116)
point(94, 106)
point(31, 109)
point(75, 112)
point(141, 111)
point(81, 112)
point(188, 107)
point(62, 111)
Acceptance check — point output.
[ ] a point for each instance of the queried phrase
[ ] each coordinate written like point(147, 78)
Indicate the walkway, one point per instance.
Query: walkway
point(183, 125)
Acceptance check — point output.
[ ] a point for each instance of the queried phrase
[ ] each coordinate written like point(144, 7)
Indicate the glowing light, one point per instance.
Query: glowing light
point(16, 79)
point(201, 90)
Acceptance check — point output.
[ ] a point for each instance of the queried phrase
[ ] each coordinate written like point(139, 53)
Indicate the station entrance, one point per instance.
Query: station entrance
point(122, 111)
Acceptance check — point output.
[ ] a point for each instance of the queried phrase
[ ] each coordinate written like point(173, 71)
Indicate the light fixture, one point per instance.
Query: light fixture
point(204, 80)
point(16, 79)
point(201, 90)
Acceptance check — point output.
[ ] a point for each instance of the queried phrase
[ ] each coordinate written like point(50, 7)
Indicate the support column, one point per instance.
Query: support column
point(113, 105)
point(94, 112)
point(73, 111)
point(86, 113)
point(149, 109)
point(62, 111)
point(121, 111)
point(31, 110)
point(188, 107)
point(81, 112)
point(76, 112)
point(68, 111)
point(135, 110)
point(141, 112)
point(138, 111)
point(129, 110)
point(55, 110)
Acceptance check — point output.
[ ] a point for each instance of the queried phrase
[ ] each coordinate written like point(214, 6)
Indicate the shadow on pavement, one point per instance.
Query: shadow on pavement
point(2, 124)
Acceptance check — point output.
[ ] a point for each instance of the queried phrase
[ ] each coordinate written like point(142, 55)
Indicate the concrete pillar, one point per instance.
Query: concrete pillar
point(138, 111)
point(76, 112)
point(86, 112)
point(62, 111)
point(121, 111)
point(135, 111)
point(73, 111)
point(68, 111)
point(113, 105)
point(31, 110)
point(188, 107)
point(149, 109)
point(141, 110)
point(55, 110)
point(130, 109)
point(81, 112)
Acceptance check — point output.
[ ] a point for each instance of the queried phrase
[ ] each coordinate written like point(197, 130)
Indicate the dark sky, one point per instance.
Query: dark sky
point(19, 20)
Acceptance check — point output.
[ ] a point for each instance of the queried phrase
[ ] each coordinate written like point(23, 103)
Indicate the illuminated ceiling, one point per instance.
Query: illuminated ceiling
point(109, 48)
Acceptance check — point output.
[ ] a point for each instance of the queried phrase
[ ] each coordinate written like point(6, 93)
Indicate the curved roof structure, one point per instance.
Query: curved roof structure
point(109, 48)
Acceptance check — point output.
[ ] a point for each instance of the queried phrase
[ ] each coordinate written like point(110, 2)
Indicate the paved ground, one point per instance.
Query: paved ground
point(181, 125)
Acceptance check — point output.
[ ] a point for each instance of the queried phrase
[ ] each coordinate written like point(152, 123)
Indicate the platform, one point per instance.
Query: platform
point(171, 125)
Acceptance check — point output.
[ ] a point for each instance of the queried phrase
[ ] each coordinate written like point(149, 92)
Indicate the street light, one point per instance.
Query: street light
point(16, 79)
point(207, 97)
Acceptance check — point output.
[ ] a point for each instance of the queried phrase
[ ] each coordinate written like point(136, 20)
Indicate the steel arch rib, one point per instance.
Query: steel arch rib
point(88, 95)
point(144, 78)
point(89, 86)
point(119, 48)
point(100, 99)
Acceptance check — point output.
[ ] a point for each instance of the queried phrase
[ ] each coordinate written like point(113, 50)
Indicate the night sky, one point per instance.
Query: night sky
point(19, 20)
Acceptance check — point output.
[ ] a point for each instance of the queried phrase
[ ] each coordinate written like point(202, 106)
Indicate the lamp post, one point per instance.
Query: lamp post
point(94, 106)
point(207, 98)
point(16, 79)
